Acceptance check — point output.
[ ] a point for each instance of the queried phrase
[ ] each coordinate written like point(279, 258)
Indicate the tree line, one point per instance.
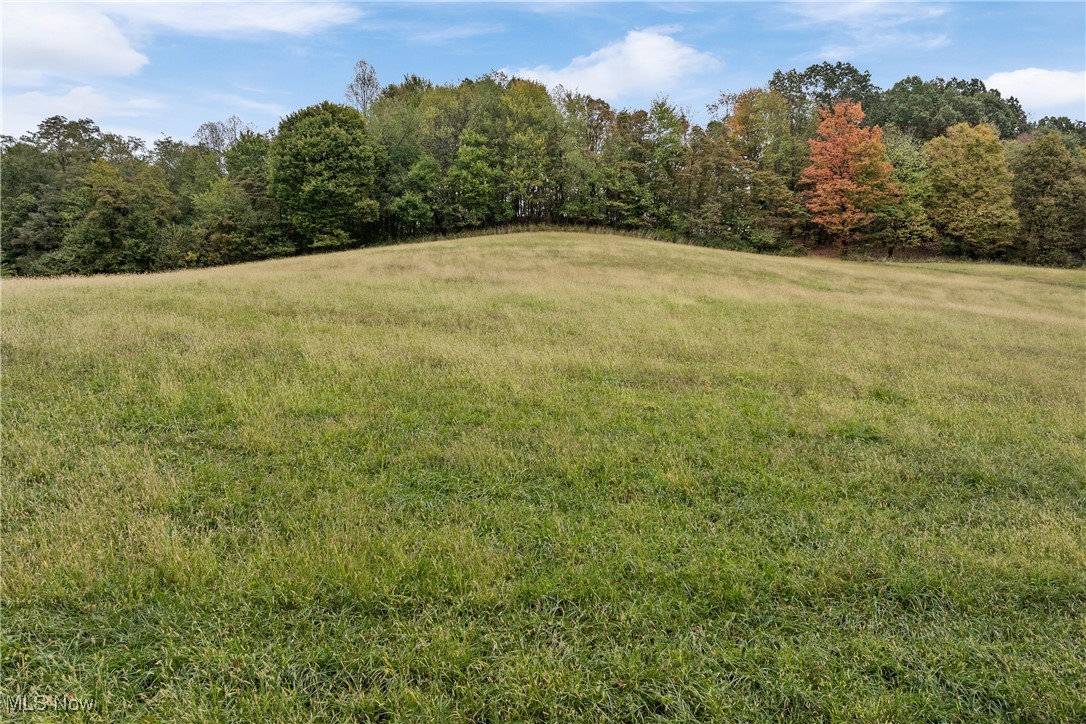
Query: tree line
point(814, 159)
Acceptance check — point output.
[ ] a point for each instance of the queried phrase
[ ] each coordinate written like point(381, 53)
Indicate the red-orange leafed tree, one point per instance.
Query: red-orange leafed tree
point(849, 173)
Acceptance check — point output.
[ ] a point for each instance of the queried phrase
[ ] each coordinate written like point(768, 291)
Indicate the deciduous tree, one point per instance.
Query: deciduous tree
point(364, 89)
point(970, 200)
point(113, 221)
point(323, 173)
point(1049, 190)
point(927, 109)
point(850, 175)
point(906, 223)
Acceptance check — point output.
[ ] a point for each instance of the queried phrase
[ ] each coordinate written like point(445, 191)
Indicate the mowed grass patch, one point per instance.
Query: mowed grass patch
point(548, 477)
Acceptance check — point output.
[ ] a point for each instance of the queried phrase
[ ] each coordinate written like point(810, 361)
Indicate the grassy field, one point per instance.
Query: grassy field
point(548, 477)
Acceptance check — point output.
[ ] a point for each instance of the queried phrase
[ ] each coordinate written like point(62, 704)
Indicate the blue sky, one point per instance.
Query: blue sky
point(152, 69)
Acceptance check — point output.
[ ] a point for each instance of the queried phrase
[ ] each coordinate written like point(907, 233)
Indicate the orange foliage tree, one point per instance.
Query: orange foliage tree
point(849, 175)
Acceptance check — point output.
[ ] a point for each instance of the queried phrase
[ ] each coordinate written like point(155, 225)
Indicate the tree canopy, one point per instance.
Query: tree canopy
point(850, 175)
point(814, 157)
point(322, 171)
point(971, 201)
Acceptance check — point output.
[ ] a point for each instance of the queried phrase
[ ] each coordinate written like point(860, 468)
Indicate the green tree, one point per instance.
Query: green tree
point(926, 109)
point(394, 122)
point(38, 174)
point(626, 156)
point(801, 110)
point(226, 224)
point(1073, 131)
point(247, 161)
point(218, 136)
point(113, 221)
point(247, 168)
point(471, 187)
point(906, 223)
point(1049, 190)
point(70, 145)
point(323, 174)
point(32, 231)
point(414, 209)
point(729, 201)
point(829, 84)
point(31, 203)
point(758, 128)
point(668, 129)
point(442, 117)
point(970, 199)
point(531, 150)
point(189, 170)
point(587, 123)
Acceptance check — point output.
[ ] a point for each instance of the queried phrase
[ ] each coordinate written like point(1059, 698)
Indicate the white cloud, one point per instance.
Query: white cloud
point(645, 62)
point(232, 18)
point(1042, 90)
point(458, 32)
point(864, 28)
point(23, 112)
point(878, 42)
point(69, 41)
point(233, 100)
point(79, 42)
point(861, 15)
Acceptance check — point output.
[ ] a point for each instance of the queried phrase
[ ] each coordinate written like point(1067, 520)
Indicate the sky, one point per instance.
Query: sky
point(154, 69)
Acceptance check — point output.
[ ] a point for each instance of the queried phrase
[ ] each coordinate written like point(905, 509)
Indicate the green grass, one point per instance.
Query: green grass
point(548, 477)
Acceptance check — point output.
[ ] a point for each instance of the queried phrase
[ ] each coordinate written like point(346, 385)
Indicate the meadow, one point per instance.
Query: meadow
point(549, 477)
